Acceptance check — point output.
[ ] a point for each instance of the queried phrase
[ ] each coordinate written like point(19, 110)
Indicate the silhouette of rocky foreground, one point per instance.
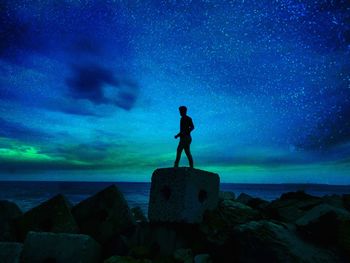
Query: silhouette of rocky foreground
point(296, 227)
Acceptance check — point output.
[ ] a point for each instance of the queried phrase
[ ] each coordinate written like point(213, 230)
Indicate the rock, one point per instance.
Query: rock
point(319, 211)
point(237, 213)
point(140, 237)
point(291, 206)
point(265, 241)
point(223, 195)
point(119, 259)
point(244, 198)
point(138, 214)
point(165, 238)
point(164, 259)
point(142, 242)
point(184, 255)
point(52, 215)
point(298, 195)
point(202, 258)
point(218, 224)
point(141, 251)
point(333, 200)
point(60, 248)
point(253, 202)
point(9, 211)
point(346, 201)
point(182, 194)
point(104, 215)
point(326, 225)
point(10, 252)
point(115, 246)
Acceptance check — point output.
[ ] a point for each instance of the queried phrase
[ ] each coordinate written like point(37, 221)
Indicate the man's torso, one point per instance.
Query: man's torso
point(185, 124)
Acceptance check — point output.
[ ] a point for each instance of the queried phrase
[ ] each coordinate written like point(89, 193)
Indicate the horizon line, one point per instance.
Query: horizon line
point(82, 181)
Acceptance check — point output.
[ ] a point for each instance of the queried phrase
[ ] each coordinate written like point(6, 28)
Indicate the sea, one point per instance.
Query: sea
point(28, 194)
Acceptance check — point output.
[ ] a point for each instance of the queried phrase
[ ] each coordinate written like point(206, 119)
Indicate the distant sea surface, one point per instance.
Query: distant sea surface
point(27, 194)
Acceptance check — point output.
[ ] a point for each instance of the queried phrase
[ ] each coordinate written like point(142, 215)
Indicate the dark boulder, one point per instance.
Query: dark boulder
point(141, 252)
point(291, 206)
point(224, 195)
point(117, 245)
point(266, 241)
point(183, 255)
point(326, 225)
point(142, 242)
point(218, 224)
point(104, 215)
point(60, 248)
point(202, 258)
point(9, 211)
point(346, 201)
point(297, 195)
point(163, 239)
point(10, 252)
point(253, 202)
point(138, 215)
point(52, 215)
point(126, 259)
point(334, 200)
point(244, 198)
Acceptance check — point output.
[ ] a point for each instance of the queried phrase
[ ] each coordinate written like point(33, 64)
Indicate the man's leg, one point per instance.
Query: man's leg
point(178, 154)
point(188, 153)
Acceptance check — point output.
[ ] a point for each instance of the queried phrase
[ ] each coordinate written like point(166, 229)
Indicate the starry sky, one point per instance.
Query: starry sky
point(90, 90)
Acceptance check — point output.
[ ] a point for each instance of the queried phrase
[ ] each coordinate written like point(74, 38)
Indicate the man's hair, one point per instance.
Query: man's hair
point(183, 109)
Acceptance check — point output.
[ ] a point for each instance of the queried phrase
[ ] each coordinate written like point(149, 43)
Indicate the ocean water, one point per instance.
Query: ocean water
point(27, 194)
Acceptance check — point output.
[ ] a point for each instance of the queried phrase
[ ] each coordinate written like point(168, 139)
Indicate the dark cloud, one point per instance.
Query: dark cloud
point(56, 27)
point(126, 100)
point(91, 81)
point(19, 35)
point(88, 80)
point(88, 46)
point(11, 29)
point(15, 130)
point(82, 33)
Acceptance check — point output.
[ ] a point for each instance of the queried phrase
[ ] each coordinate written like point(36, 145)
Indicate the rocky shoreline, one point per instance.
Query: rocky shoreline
point(296, 227)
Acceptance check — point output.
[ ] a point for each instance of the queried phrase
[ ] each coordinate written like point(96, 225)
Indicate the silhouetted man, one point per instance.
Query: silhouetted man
point(186, 126)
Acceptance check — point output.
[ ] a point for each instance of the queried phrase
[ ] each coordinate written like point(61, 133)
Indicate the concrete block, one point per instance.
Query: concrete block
point(60, 248)
point(10, 252)
point(104, 215)
point(182, 194)
point(9, 211)
point(52, 215)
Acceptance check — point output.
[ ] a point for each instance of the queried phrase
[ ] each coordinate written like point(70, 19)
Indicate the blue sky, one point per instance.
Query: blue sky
point(90, 90)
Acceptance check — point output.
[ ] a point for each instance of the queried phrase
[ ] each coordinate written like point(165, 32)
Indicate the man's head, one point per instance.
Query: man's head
point(183, 110)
